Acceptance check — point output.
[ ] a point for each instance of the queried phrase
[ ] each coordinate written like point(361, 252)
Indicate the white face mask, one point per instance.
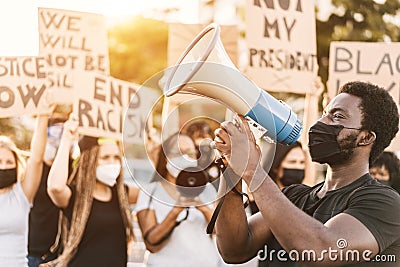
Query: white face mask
point(177, 164)
point(50, 152)
point(108, 173)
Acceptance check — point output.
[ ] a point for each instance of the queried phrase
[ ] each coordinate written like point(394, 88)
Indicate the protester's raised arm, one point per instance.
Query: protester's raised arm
point(57, 187)
point(34, 167)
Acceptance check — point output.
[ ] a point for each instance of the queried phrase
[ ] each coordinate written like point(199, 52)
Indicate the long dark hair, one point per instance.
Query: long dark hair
point(83, 178)
point(161, 167)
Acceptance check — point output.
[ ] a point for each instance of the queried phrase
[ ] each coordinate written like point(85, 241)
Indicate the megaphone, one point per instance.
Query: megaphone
point(204, 69)
point(191, 182)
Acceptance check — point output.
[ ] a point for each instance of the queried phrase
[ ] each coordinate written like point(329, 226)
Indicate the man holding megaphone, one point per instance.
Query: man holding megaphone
point(348, 219)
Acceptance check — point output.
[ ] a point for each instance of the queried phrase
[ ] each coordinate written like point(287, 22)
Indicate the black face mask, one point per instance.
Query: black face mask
point(324, 146)
point(8, 177)
point(292, 176)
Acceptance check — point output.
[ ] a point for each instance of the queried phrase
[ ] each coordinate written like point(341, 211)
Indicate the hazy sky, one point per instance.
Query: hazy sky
point(18, 18)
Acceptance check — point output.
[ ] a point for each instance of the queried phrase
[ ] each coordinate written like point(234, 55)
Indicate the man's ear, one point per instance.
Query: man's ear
point(368, 139)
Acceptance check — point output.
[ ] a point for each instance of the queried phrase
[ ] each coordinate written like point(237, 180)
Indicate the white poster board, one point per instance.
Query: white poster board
point(378, 63)
point(281, 44)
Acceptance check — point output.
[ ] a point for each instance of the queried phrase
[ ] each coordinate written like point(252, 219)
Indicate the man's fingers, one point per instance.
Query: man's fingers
point(245, 126)
point(223, 148)
point(230, 127)
point(221, 136)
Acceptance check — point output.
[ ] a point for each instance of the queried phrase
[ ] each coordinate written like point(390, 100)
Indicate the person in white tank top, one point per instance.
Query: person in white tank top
point(19, 182)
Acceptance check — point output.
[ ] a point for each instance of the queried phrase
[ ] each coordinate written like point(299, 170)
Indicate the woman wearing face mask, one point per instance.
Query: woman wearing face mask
point(18, 185)
point(288, 165)
point(43, 245)
point(174, 228)
point(386, 169)
point(96, 221)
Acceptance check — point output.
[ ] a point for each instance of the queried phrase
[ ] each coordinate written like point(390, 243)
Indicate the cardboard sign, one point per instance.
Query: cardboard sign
point(23, 85)
point(352, 61)
point(181, 35)
point(71, 40)
point(281, 44)
point(102, 102)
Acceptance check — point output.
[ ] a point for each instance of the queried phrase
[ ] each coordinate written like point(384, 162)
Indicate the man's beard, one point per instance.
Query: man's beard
point(347, 146)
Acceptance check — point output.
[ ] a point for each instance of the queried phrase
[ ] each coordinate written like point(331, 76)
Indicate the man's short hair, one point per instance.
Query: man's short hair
point(379, 111)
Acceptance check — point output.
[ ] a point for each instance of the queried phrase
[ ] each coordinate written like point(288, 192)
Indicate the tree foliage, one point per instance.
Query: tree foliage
point(138, 49)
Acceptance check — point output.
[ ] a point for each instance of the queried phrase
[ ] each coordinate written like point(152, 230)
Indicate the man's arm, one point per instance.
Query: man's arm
point(238, 238)
point(296, 230)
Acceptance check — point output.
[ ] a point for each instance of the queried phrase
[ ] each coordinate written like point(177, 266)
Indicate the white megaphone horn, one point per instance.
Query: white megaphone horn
point(205, 69)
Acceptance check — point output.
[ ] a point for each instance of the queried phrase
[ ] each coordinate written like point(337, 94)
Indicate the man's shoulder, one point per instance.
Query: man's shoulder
point(376, 190)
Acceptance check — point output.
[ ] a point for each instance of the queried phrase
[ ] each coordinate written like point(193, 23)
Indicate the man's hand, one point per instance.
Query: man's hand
point(236, 142)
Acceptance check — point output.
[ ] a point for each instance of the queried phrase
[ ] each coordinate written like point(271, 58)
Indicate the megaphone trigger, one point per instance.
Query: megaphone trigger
point(257, 130)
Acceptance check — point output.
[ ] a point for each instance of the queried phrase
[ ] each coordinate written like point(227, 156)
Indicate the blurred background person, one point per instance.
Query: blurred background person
point(202, 134)
point(174, 227)
point(288, 165)
point(96, 219)
point(43, 242)
point(386, 169)
point(19, 182)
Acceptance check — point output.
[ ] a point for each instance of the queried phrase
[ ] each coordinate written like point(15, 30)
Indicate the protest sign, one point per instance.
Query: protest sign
point(105, 105)
point(281, 43)
point(71, 40)
point(352, 61)
point(23, 85)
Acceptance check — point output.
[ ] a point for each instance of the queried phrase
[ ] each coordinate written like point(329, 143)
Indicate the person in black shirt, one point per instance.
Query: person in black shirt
point(350, 218)
point(43, 217)
point(95, 202)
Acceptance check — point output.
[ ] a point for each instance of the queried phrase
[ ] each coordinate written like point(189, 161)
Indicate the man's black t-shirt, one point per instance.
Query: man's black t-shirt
point(43, 220)
point(375, 205)
point(103, 242)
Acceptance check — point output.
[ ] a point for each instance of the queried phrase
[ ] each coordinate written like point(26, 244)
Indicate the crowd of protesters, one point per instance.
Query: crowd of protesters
point(61, 210)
